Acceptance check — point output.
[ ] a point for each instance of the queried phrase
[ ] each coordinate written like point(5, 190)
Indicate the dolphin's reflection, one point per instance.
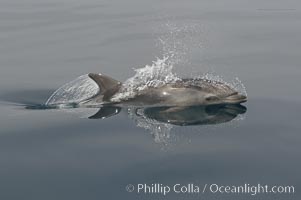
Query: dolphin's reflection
point(105, 112)
point(180, 116)
point(159, 121)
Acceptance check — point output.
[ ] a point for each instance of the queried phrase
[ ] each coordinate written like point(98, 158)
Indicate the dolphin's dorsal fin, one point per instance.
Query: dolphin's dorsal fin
point(107, 86)
point(104, 82)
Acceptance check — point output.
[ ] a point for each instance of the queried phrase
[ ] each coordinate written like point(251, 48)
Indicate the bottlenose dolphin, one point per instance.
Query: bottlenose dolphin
point(182, 93)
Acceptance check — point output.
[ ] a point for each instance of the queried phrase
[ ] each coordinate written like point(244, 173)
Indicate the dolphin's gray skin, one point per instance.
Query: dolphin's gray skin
point(187, 92)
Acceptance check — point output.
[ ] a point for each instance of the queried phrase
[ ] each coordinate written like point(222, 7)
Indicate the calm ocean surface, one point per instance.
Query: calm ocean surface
point(63, 155)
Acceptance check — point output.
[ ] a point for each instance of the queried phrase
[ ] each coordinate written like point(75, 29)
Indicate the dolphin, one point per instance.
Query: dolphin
point(181, 93)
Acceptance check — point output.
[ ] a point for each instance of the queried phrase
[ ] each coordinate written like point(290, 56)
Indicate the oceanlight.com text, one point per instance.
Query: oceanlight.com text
point(191, 188)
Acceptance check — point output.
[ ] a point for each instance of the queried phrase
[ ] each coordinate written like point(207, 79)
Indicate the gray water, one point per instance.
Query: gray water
point(53, 154)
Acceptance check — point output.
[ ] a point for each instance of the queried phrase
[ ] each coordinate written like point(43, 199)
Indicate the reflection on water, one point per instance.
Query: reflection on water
point(196, 115)
point(181, 116)
point(159, 120)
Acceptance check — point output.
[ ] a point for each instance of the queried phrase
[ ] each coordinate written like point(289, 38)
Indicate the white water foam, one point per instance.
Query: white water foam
point(155, 75)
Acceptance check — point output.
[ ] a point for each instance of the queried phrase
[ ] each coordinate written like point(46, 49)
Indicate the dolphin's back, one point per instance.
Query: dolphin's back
point(169, 94)
point(185, 92)
point(207, 85)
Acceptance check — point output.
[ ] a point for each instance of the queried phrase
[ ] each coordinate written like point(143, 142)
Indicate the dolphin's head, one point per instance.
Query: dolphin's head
point(220, 93)
point(217, 98)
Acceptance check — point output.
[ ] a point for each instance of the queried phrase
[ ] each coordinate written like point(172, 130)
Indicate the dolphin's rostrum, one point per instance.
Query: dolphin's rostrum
point(184, 92)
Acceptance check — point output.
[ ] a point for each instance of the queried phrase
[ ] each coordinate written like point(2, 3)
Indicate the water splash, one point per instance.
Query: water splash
point(159, 131)
point(74, 92)
point(155, 75)
point(235, 83)
point(180, 41)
